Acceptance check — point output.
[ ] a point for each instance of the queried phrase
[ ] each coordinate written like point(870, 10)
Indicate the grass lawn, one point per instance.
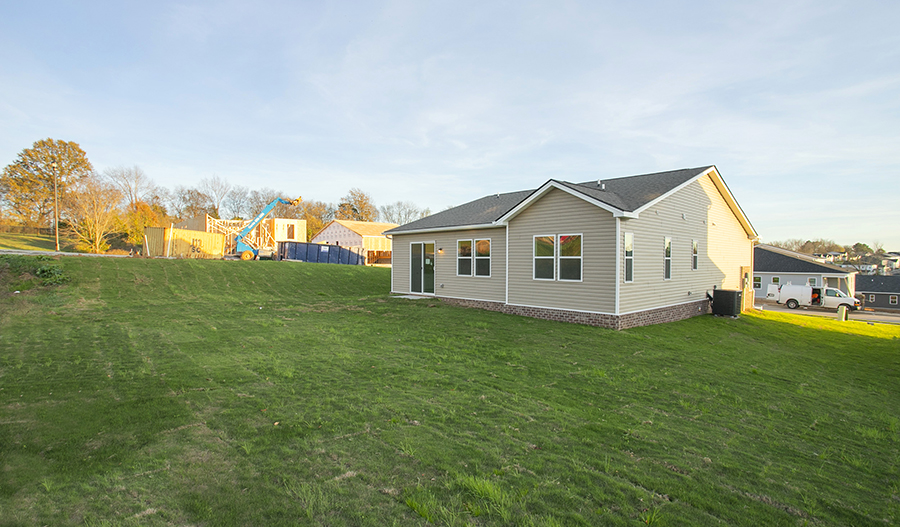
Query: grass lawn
point(158, 392)
point(34, 242)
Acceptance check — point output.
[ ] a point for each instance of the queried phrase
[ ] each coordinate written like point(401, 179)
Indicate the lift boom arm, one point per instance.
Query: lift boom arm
point(241, 247)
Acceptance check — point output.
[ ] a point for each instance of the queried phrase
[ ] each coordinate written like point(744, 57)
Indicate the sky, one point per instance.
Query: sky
point(797, 103)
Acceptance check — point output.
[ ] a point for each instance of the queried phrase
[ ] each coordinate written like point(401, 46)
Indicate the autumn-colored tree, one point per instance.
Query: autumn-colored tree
point(316, 214)
point(92, 211)
point(27, 184)
point(136, 189)
point(357, 206)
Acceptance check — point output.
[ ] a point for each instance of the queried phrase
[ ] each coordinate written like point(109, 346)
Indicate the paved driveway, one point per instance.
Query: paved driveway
point(866, 316)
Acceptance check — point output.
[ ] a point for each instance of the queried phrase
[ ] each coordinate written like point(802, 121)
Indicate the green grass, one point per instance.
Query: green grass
point(34, 242)
point(157, 392)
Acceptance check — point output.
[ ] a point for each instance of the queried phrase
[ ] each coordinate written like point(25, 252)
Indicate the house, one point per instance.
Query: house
point(615, 253)
point(774, 265)
point(264, 236)
point(366, 234)
point(879, 292)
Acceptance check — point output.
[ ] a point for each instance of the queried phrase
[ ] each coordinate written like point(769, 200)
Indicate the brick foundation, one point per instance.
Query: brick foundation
point(631, 320)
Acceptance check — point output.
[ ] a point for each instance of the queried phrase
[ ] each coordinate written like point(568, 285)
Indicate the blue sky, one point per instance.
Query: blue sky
point(439, 103)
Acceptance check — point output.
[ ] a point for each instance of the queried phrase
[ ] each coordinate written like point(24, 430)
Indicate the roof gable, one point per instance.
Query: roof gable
point(770, 259)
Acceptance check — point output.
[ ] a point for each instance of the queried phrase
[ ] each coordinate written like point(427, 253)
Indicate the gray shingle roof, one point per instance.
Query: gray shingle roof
point(626, 194)
point(769, 259)
point(877, 284)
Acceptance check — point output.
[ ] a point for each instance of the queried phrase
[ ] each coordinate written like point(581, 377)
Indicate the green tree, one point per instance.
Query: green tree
point(27, 184)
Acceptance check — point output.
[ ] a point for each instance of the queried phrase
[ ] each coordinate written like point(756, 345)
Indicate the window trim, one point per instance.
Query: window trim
point(560, 257)
point(811, 281)
point(695, 255)
point(475, 258)
point(871, 298)
point(535, 257)
point(892, 300)
point(667, 258)
point(471, 257)
point(776, 280)
point(757, 282)
point(628, 258)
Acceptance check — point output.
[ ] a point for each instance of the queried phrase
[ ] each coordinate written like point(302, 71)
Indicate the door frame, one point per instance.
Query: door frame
point(422, 267)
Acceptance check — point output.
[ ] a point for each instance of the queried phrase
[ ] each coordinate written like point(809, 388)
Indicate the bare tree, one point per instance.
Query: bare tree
point(134, 184)
point(260, 198)
point(216, 189)
point(92, 208)
point(358, 206)
point(402, 212)
point(187, 202)
point(237, 203)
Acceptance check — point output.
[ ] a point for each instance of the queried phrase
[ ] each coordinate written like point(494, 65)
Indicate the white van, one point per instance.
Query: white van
point(794, 296)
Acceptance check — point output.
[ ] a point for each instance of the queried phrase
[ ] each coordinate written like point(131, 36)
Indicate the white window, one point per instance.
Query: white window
point(893, 300)
point(629, 257)
point(776, 280)
point(757, 282)
point(871, 298)
point(558, 257)
point(570, 257)
point(464, 258)
point(483, 258)
point(695, 254)
point(811, 281)
point(667, 258)
point(545, 257)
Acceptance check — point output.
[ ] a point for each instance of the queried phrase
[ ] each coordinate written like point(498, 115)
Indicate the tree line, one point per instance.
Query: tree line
point(96, 208)
point(857, 254)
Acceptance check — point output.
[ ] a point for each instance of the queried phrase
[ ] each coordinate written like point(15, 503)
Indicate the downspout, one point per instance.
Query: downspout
point(506, 301)
point(618, 259)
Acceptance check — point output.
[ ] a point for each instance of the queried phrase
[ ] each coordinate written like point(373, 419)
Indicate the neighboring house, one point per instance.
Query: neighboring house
point(879, 292)
point(366, 234)
point(774, 265)
point(616, 253)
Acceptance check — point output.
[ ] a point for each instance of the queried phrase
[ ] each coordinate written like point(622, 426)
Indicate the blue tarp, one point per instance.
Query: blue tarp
point(319, 253)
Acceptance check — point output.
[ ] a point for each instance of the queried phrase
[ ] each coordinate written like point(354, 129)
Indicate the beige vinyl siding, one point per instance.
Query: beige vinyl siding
point(561, 213)
point(491, 288)
point(696, 212)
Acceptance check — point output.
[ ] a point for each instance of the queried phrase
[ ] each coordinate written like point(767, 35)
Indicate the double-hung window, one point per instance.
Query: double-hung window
point(558, 257)
point(570, 257)
point(695, 254)
point(629, 257)
point(811, 281)
point(667, 258)
point(757, 282)
point(464, 258)
point(871, 298)
point(545, 257)
point(892, 300)
point(482, 257)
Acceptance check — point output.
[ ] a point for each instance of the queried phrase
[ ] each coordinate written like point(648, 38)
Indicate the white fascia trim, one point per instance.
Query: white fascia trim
point(878, 292)
point(674, 190)
point(726, 194)
point(448, 229)
point(550, 185)
point(618, 258)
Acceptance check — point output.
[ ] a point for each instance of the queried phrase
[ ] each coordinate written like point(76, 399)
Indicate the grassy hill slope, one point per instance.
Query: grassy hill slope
point(159, 392)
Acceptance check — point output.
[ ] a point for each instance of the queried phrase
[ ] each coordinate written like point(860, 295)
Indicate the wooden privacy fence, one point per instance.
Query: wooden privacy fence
point(183, 243)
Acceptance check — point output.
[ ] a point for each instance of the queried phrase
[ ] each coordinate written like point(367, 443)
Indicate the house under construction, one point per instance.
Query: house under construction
point(264, 237)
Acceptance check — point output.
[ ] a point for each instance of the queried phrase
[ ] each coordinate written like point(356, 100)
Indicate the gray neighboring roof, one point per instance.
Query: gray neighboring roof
point(769, 259)
point(877, 284)
point(625, 193)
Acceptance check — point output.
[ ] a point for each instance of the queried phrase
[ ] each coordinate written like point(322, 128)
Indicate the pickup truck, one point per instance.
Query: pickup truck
point(794, 296)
